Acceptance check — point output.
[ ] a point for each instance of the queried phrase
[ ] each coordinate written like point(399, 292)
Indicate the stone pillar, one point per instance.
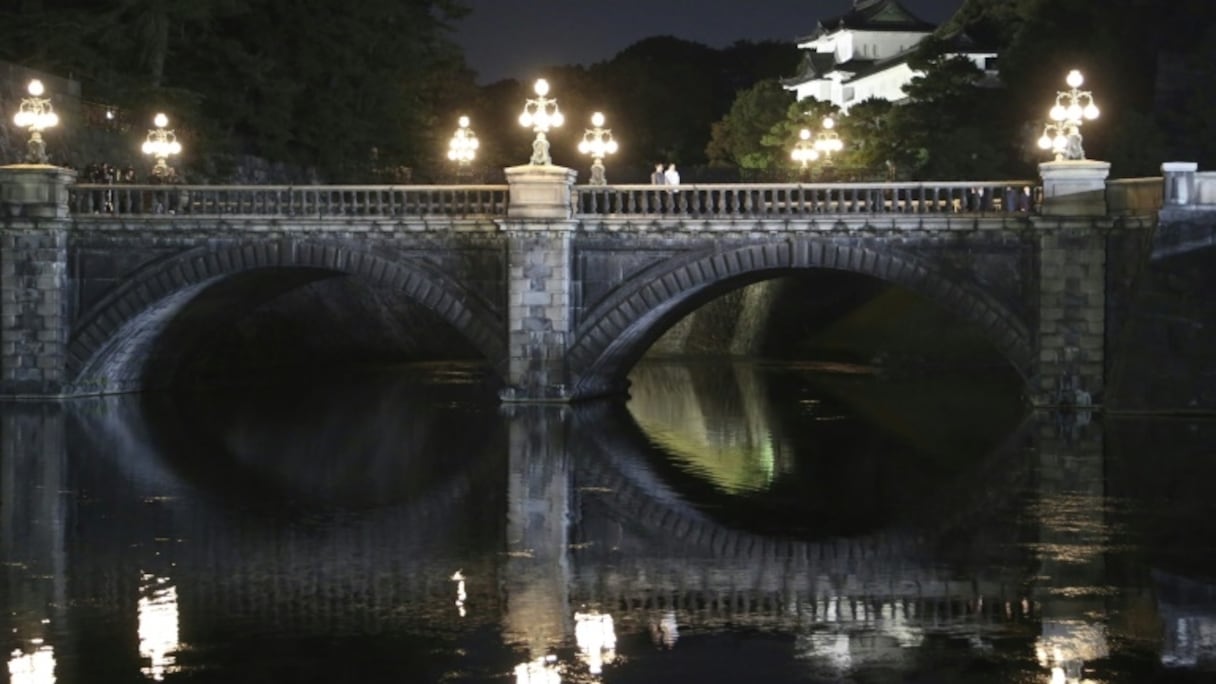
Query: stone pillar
point(33, 280)
point(1179, 179)
point(1071, 360)
point(1074, 188)
point(35, 191)
point(1072, 284)
point(540, 229)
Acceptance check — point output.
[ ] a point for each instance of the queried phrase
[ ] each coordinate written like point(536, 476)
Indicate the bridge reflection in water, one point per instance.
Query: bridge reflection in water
point(781, 526)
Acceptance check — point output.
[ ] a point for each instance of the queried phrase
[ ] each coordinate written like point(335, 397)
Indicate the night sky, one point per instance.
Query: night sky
point(515, 38)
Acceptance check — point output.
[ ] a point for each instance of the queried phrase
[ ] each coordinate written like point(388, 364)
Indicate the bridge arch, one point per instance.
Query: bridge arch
point(614, 335)
point(110, 347)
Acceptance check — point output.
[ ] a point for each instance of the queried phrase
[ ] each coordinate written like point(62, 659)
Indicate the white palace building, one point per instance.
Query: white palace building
point(864, 54)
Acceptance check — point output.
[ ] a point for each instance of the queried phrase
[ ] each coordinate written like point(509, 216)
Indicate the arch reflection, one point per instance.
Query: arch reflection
point(555, 518)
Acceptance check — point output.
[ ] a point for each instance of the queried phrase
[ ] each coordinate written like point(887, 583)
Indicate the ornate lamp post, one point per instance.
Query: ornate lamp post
point(160, 144)
point(1062, 135)
point(804, 151)
point(37, 115)
point(463, 146)
point(598, 143)
point(540, 115)
point(828, 141)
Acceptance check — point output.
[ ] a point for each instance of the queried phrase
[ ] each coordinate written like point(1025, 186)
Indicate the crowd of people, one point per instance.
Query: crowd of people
point(101, 173)
point(124, 201)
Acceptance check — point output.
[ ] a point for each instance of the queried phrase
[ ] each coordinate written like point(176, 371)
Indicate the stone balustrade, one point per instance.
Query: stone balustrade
point(761, 200)
point(287, 200)
point(723, 200)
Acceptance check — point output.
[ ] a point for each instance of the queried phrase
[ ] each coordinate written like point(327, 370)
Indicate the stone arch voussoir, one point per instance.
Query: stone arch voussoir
point(615, 334)
point(105, 333)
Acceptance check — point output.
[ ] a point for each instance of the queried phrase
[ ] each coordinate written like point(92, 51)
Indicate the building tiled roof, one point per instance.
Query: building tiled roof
point(817, 65)
point(872, 15)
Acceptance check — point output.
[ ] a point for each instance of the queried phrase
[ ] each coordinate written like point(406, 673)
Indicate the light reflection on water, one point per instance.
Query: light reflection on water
point(713, 530)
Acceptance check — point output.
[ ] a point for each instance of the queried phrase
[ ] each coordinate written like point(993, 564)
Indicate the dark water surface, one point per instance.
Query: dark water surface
point(731, 523)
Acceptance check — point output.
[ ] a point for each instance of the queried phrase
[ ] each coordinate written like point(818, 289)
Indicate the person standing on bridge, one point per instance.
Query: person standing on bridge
point(658, 178)
point(671, 176)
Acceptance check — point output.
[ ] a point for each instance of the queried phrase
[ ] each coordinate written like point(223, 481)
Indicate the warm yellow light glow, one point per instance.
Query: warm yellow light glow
point(596, 638)
point(1070, 110)
point(158, 626)
point(462, 148)
point(36, 112)
point(461, 594)
point(160, 144)
point(804, 151)
point(539, 671)
point(541, 114)
point(32, 668)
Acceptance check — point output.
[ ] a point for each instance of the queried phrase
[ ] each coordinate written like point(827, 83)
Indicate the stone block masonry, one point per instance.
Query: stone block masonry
point(33, 280)
point(538, 311)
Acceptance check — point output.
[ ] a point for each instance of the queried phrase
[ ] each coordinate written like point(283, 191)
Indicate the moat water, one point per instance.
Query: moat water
point(729, 523)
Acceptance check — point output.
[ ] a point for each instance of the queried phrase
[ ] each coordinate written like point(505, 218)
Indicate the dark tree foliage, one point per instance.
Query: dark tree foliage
point(1142, 59)
point(948, 128)
point(338, 86)
point(354, 90)
point(667, 93)
point(736, 139)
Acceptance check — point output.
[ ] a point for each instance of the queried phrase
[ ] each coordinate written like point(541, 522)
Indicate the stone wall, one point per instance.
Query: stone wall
point(1164, 348)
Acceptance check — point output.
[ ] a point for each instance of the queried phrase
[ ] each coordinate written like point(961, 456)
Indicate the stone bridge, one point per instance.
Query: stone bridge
point(560, 287)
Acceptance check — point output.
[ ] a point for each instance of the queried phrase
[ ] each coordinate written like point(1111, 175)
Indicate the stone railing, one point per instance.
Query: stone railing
point(1186, 186)
point(1121, 197)
point(287, 200)
point(756, 200)
point(1133, 196)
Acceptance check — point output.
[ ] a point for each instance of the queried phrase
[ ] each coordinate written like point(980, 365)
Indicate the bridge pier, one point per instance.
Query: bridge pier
point(540, 227)
point(1070, 365)
point(34, 279)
